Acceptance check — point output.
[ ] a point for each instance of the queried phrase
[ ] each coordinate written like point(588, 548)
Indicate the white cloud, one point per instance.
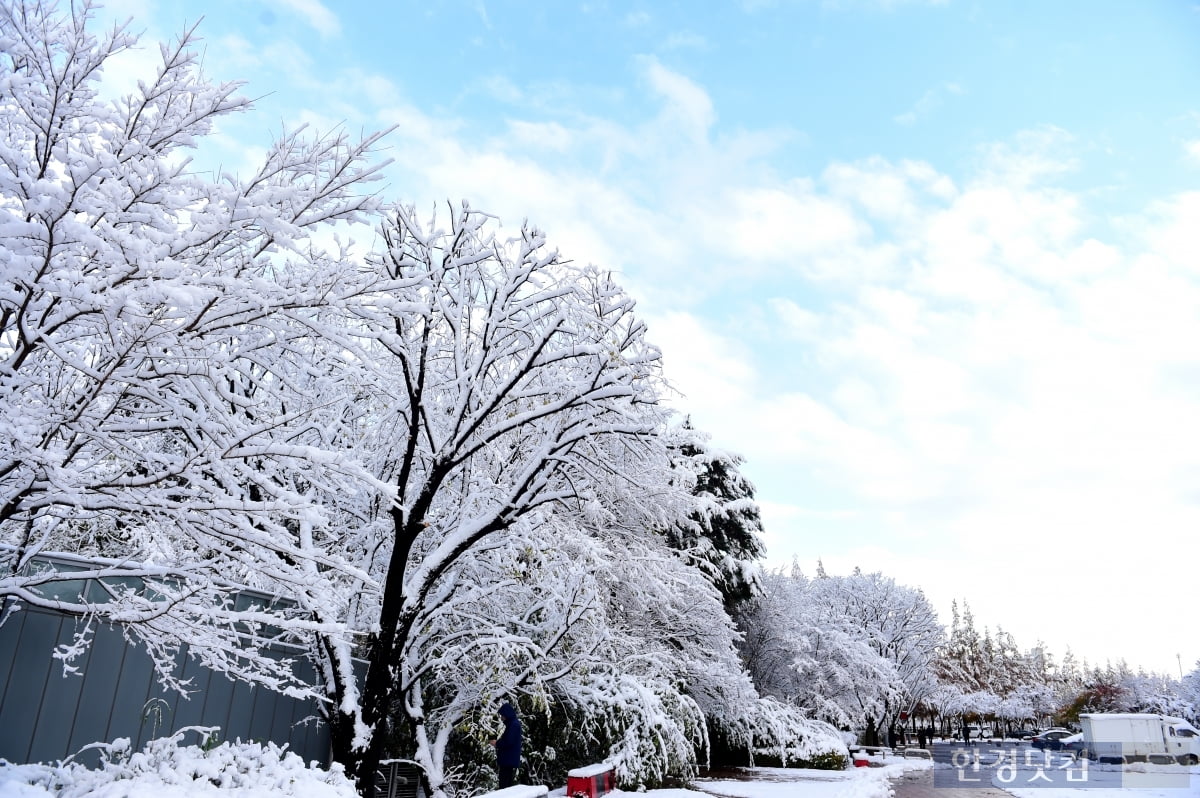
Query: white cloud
point(482, 12)
point(686, 39)
point(1018, 390)
point(1170, 231)
point(503, 89)
point(712, 373)
point(787, 223)
point(892, 193)
point(796, 322)
point(314, 14)
point(928, 103)
point(841, 5)
point(1191, 149)
point(1031, 157)
point(545, 135)
point(686, 102)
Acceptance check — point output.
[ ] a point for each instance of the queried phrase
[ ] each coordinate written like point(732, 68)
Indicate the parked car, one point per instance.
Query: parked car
point(1022, 734)
point(1051, 739)
point(1074, 743)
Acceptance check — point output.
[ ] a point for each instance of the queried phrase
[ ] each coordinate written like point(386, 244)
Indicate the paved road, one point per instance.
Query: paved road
point(919, 784)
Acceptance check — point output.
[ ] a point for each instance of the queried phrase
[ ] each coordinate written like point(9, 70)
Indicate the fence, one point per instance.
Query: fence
point(398, 778)
point(46, 715)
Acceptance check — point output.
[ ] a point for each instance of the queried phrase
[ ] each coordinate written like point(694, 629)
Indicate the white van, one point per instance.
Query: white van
point(1131, 736)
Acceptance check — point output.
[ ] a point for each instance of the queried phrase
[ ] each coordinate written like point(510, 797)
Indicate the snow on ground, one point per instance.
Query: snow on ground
point(252, 771)
point(870, 782)
point(237, 770)
point(167, 770)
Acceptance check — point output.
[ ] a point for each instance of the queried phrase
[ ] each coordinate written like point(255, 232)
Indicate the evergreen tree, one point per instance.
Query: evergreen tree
point(723, 535)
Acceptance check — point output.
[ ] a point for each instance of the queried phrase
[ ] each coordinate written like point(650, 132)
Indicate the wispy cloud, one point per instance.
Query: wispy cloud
point(482, 12)
point(684, 99)
point(315, 14)
point(1192, 150)
point(685, 40)
point(928, 102)
point(884, 5)
point(503, 89)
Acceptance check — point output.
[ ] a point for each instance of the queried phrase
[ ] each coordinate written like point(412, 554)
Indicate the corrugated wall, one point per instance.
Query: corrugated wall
point(46, 716)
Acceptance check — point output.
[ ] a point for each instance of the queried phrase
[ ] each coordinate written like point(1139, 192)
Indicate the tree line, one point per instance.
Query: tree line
point(863, 652)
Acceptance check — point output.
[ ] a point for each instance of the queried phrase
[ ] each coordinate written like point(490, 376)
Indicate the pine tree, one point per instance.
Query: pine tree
point(723, 535)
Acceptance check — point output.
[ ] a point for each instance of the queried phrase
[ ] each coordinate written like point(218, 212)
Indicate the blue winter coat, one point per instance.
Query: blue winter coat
point(508, 747)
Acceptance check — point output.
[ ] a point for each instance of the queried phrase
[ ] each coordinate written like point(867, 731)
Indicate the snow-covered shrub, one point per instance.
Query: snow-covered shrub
point(783, 733)
point(226, 769)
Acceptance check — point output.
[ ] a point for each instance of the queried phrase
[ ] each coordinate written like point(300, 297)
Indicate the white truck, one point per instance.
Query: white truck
point(1127, 737)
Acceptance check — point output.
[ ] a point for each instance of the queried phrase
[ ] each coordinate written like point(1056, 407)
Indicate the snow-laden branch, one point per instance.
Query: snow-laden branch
point(167, 343)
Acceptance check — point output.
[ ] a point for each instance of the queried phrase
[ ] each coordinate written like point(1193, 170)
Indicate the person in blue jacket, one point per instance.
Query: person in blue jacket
point(508, 747)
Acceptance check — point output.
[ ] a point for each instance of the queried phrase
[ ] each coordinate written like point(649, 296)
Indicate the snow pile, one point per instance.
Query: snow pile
point(796, 783)
point(518, 791)
point(165, 769)
point(168, 770)
point(589, 771)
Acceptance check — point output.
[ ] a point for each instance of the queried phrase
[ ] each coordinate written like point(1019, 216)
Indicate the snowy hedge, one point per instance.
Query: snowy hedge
point(227, 769)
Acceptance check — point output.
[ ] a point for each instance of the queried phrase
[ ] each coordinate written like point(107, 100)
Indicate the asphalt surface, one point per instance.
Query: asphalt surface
point(919, 784)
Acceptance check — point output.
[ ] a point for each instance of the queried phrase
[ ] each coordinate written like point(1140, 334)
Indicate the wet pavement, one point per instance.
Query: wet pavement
point(919, 784)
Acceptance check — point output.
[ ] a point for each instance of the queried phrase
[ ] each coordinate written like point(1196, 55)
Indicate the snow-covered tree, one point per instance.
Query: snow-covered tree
point(997, 681)
point(515, 393)
point(1116, 687)
point(896, 621)
point(152, 323)
point(722, 534)
point(643, 667)
point(506, 382)
point(796, 652)
point(1189, 693)
point(593, 624)
point(582, 631)
point(960, 659)
point(1155, 692)
point(855, 650)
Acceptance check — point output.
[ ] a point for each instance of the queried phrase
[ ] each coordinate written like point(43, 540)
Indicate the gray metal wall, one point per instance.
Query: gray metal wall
point(46, 716)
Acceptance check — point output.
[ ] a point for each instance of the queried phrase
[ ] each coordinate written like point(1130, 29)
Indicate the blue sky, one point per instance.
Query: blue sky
point(930, 266)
